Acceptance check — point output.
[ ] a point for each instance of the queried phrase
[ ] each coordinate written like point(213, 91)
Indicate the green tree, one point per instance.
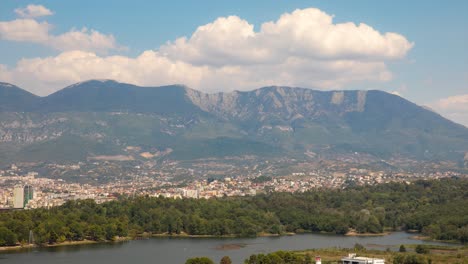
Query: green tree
point(279, 257)
point(402, 248)
point(53, 237)
point(420, 249)
point(96, 233)
point(7, 237)
point(110, 230)
point(225, 260)
point(409, 259)
point(437, 207)
point(359, 247)
point(463, 234)
point(200, 260)
point(76, 231)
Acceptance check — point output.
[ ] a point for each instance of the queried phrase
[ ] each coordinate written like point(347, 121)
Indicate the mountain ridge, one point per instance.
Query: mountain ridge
point(12, 98)
point(194, 95)
point(191, 93)
point(276, 119)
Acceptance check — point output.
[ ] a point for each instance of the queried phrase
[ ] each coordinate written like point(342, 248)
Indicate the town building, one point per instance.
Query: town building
point(353, 259)
point(18, 197)
point(28, 194)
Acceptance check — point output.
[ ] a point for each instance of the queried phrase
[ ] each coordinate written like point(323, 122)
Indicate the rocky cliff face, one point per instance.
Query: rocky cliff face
point(105, 117)
point(22, 128)
point(283, 103)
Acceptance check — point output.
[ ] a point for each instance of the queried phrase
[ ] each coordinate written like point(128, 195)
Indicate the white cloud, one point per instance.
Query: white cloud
point(400, 90)
point(32, 11)
point(84, 39)
point(30, 30)
point(46, 75)
point(27, 30)
point(5, 75)
point(454, 108)
point(307, 33)
point(303, 48)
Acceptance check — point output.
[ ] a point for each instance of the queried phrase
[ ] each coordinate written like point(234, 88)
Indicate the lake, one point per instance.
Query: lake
point(177, 250)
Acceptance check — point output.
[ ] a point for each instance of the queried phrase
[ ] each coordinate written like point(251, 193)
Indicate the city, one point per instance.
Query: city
point(24, 188)
point(203, 132)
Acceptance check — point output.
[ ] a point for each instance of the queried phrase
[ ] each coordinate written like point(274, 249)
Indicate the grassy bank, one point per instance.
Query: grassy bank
point(437, 254)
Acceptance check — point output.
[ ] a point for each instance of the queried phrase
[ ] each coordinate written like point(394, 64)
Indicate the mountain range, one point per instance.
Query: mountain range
point(100, 118)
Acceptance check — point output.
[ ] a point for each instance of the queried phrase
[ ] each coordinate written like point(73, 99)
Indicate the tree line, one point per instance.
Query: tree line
point(437, 208)
point(286, 257)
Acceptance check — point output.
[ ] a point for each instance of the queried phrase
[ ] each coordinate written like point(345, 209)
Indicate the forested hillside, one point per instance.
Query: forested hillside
point(438, 209)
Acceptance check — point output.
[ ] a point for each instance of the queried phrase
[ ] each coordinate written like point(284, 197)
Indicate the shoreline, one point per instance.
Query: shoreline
point(61, 244)
point(185, 235)
point(351, 233)
point(122, 239)
point(356, 234)
point(429, 239)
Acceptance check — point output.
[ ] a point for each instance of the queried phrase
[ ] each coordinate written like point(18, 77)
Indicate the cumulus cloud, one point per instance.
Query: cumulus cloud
point(84, 39)
point(454, 108)
point(46, 75)
point(32, 11)
point(30, 30)
point(27, 30)
point(5, 75)
point(307, 33)
point(304, 48)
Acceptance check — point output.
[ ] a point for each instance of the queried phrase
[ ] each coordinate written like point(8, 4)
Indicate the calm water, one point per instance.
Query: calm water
point(177, 250)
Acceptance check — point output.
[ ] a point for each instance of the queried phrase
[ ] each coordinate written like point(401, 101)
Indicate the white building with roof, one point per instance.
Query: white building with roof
point(353, 259)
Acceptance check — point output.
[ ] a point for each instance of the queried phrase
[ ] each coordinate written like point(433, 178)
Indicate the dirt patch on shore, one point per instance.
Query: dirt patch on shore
point(354, 233)
point(230, 246)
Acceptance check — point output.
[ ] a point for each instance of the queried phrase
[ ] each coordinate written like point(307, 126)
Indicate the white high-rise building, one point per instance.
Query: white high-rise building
point(18, 197)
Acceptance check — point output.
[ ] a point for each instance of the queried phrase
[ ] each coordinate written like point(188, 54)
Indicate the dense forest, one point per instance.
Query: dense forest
point(437, 208)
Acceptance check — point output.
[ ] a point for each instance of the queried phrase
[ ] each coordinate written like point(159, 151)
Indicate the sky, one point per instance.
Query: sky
point(414, 49)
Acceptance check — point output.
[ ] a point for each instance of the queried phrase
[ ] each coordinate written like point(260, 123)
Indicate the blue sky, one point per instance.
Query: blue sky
point(431, 67)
